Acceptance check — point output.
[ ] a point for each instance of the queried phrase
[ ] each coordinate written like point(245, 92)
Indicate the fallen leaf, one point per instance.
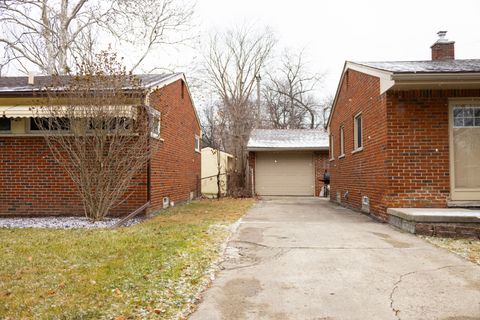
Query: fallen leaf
point(51, 293)
point(118, 293)
point(158, 311)
point(120, 318)
point(30, 258)
point(61, 285)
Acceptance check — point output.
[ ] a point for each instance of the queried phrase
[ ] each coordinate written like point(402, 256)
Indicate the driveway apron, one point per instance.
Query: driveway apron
point(306, 258)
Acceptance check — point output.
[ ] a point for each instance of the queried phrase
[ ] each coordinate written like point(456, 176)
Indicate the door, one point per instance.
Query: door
point(284, 174)
point(465, 150)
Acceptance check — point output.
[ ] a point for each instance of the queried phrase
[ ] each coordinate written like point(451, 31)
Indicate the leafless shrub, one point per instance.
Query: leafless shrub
point(98, 130)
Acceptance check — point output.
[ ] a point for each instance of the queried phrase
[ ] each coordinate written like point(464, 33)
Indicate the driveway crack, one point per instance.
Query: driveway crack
point(396, 311)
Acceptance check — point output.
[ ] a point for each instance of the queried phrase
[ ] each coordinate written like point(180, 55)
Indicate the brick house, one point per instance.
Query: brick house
point(32, 183)
point(407, 134)
point(287, 162)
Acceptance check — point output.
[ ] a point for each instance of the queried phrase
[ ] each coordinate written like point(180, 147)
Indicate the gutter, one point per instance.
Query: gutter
point(287, 149)
point(435, 76)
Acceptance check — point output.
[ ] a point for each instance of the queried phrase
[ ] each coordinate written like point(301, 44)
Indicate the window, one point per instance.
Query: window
point(466, 116)
point(332, 156)
point(197, 143)
point(5, 125)
point(342, 142)
point(115, 123)
point(50, 124)
point(156, 125)
point(357, 127)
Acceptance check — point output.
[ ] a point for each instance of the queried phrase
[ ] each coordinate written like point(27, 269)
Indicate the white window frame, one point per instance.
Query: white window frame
point(356, 146)
point(28, 129)
point(197, 143)
point(332, 154)
point(156, 126)
point(342, 141)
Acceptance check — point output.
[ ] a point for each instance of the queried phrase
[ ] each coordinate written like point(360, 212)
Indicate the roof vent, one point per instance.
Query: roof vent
point(441, 36)
point(31, 79)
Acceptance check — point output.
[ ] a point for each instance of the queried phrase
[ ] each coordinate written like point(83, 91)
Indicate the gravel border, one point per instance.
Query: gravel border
point(62, 222)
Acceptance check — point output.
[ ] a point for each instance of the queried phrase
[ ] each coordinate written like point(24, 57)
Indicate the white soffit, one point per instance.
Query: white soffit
point(385, 77)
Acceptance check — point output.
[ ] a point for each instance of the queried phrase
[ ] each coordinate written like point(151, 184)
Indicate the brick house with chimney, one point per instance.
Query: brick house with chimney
point(406, 134)
point(32, 183)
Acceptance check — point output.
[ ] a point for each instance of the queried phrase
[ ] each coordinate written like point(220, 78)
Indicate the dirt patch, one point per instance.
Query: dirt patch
point(252, 234)
point(388, 239)
point(234, 302)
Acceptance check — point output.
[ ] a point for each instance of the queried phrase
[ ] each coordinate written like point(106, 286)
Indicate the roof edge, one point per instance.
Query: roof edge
point(287, 148)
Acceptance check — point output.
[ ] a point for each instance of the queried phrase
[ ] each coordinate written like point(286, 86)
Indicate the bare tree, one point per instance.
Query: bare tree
point(290, 94)
point(325, 108)
point(53, 36)
point(98, 131)
point(233, 64)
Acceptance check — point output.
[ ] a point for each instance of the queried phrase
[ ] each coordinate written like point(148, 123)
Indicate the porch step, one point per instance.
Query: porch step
point(447, 222)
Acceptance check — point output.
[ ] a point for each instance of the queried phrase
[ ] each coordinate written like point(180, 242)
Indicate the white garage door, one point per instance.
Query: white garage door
point(284, 174)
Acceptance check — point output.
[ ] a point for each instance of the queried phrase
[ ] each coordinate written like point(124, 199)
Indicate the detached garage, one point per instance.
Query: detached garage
point(288, 162)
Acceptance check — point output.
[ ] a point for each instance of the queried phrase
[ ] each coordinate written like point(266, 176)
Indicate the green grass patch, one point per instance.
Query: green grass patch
point(150, 270)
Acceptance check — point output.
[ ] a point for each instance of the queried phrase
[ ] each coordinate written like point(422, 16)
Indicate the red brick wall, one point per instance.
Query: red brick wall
point(405, 157)
point(362, 173)
point(175, 168)
point(418, 147)
point(443, 51)
point(320, 161)
point(251, 166)
point(322, 164)
point(32, 183)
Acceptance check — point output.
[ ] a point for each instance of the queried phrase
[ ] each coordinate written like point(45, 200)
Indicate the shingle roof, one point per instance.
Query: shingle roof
point(288, 139)
point(436, 66)
point(20, 84)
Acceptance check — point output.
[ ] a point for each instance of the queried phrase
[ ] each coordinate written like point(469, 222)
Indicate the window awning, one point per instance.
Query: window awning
point(127, 111)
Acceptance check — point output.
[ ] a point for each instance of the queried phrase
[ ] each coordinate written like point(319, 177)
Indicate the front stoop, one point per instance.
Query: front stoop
point(441, 222)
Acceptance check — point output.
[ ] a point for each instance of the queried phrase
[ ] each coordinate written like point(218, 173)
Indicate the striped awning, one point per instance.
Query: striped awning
point(127, 111)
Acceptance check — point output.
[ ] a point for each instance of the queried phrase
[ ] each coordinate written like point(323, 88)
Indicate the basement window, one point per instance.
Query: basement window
point(357, 135)
point(5, 125)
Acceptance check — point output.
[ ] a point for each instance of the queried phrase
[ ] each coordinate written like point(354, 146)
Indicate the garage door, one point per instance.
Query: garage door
point(284, 174)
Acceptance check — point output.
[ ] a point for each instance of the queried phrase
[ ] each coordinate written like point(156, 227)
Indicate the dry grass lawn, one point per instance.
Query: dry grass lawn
point(467, 248)
point(150, 270)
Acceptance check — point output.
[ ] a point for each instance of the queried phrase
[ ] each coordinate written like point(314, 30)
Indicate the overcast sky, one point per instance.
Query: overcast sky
point(335, 31)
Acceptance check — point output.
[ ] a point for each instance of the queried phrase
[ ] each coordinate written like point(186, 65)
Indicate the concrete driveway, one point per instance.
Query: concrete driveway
point(305, 258)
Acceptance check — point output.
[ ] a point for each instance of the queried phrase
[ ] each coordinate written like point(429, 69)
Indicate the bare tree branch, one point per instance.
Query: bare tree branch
point(49, 34)
point(233, 63)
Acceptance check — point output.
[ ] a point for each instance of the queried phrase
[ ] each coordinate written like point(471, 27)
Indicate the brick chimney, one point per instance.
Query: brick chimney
point(443, 49)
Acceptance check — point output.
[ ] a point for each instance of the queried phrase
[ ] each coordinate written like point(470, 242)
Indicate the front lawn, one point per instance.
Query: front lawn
point(150, 270)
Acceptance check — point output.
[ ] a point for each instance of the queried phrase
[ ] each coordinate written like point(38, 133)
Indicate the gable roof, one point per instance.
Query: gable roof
point(405, 75)
point(287, 139)
point(20, 84)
